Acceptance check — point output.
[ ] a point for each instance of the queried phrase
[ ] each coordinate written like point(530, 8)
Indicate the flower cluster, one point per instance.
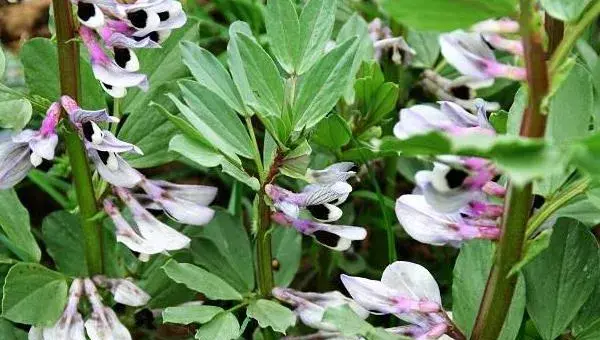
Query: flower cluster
point(103, 323)
point(21, 151)
point(185, 204)
point(454, 201)
point(112, 30)
point(472, 54)
point(320, 201)
point(408, 291)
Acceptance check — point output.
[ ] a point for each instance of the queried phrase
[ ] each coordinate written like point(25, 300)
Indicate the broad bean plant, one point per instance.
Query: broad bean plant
point(290, 169)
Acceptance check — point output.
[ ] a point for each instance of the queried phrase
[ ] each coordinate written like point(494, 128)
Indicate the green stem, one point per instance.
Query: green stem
point(558, 200)
point(68, 57)
point(500, 287)
point(263, 247)
point(572, 33)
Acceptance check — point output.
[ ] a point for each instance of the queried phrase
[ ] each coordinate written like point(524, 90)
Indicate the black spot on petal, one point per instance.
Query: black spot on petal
point(154, 36)
point(122, 56)
point(104, 155)
point(455, 178)
point(320, 211)
point(326, 238)
point(488, 43)
point(164, 16)
point(461, 92)
point(139, 19)
point(88, 131)
point(144, 318)
point(85, 11)
point(107, 86)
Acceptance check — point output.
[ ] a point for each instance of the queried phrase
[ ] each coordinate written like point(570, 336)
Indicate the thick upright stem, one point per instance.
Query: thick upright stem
point(68, 58)
point(500, 287)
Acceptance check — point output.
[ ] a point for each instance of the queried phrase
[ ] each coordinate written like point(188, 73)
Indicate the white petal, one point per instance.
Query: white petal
point(90, 15)
point(465, 51)
point(114, 91)
point(111, 74)
point(199, 194)
point(458, 115)
point(72, 330)
point(187, 212)
point(35, 333)
point(127, 293)
point(110, 143)
point(14, 163)
point(412, 281)
point(44, 146)
point(424, 224)
point(370, 294)
point(419, 119)
point(123, 176)
point(158, 233)
point(112, 329)
point(290, 209)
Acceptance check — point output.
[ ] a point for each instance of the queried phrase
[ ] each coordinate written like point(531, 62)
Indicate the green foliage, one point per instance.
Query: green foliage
point(565, 10)
point(287, 250)
point(14, 113)
point(571, 260)
point(33, 295)
point(190, 314)
point(223, 248)
point(14, 221)
point(145, 126)
point(224, 326)
point(201, 281)
point(40, 60)
point(332, 132)
point(471, 272)
point(443, 15)
point(271, 314)
point(351, 324)
point(63, 237)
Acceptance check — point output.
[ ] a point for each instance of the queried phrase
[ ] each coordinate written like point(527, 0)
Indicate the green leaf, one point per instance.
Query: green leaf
point(224, 326)
point(33, 295)
point(236, 64)
point(532, 249)
point(231, 254)
point(40, 61)
point(209, 71)
point(214, 119)
point(201, 281)
point(164, 291)
point(316, 24)
point(263, 77)
point(15, 113)
point(283, 31)
point(356, 26)
point(586, 324)
point(151, 130)
point(296, 161)
point(322, 86)
point(286, 247)
point(332, 132)
point(470, 276)
point(10, 332)
point(571, 107)
point(190, 313)
point(426, 46)
point(207, 156)
point(351, 324)
point(147, 127)
point(565, 10)
point(562, 278)
point(63, 237)
point(14, 220)
point(444, 15)
point(271, 314)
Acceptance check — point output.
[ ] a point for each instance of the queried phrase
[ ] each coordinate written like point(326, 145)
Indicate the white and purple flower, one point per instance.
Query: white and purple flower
point(123, 290)
point(406, 290)
point(103, 322)
point(28, 148)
